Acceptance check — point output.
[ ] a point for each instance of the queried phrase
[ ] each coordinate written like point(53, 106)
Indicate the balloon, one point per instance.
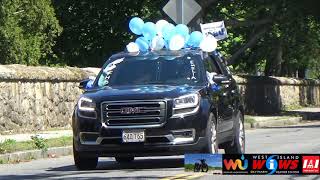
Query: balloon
point(195, 39)
point(133, 47)
point(159, 26)
point(149, 30)
point(176, 42)
point(209, 44)
point(143, 45)
point(168, 31)
point(182, 29)
point(186, 39)
point(136, 25)
point(166, 44)
point(157, 43)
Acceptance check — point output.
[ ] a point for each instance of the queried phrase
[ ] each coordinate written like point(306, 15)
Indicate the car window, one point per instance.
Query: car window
point(212, 66)
point(152, 70)
point(212, 69)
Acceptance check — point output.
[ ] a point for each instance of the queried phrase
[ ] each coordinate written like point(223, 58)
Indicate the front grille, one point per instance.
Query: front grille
point(133, 113)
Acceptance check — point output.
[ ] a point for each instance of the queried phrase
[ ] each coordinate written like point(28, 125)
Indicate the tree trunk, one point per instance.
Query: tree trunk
point(249, 44)
point(302, 73)
point(273, 64)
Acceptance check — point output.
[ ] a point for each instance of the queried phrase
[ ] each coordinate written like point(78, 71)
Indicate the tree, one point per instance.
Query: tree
point(28, 29)
point(268, 37)
point(94, 30)
point(276, 37)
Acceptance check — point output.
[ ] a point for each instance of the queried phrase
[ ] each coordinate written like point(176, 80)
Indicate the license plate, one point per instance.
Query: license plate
point(136, 135)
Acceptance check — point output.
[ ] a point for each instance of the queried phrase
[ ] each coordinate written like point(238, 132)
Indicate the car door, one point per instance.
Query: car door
point(225, 97)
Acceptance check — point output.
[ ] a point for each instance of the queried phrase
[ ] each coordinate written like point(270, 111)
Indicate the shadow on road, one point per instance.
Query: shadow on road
point(294, 126)
point(140, 164)
point(109, 169)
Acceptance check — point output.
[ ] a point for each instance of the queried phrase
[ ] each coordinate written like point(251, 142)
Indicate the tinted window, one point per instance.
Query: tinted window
point(211, 66)
point(152, 70)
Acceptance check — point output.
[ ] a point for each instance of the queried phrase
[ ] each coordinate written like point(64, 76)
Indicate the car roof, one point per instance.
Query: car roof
point(158, 53)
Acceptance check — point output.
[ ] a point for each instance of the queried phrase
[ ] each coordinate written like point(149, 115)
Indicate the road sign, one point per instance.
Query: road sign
point(182, 11)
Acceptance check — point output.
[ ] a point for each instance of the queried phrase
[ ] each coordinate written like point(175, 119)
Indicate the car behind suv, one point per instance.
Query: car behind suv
point(157, 104)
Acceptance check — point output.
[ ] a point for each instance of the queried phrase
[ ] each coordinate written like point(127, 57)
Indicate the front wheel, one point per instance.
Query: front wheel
point(212, 144)
point(82, 162)
point(237, 146)
point(196, 167)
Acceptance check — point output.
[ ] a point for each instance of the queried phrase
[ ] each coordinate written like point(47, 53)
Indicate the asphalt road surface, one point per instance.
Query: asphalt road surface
point(304, 139)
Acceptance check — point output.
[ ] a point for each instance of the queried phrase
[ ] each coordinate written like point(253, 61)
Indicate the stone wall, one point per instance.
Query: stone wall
point(38, 98)
point(270, 95)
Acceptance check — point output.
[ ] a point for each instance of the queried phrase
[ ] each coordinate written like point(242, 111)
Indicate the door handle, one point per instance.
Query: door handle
point(225, 82)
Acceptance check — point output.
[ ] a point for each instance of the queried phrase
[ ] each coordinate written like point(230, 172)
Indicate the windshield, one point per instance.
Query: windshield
point(163, 70)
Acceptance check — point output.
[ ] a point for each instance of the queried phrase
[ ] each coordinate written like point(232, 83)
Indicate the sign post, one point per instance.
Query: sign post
point(182, 11)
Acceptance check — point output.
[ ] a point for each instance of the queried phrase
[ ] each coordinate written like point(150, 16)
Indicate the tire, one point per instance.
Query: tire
point(124, 159)
point(237, 146)
point(82, 162)
point(212, 144)
point(204, 168)
point(196, 167)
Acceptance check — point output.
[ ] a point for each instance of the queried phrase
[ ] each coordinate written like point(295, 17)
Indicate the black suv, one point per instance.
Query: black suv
point(157, 104)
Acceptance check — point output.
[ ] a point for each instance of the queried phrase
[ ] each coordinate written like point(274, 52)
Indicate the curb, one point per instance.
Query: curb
point(64, 151)
point(35, 154)
point(273, 123)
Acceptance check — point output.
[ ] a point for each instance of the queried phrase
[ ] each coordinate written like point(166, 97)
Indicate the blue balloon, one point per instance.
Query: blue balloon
point(195, 39)
point(149, 30)
point(168, 31)
point(182, 29)
point(142, 43)
point(136, 25)
point(166, 44)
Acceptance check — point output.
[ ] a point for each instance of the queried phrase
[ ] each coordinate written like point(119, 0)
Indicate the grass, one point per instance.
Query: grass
point(248, 119)
point(9, 145)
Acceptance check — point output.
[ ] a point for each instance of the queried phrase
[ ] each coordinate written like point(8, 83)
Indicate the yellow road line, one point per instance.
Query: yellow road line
point(195, 176)
point(178, 176)
point(183, 176)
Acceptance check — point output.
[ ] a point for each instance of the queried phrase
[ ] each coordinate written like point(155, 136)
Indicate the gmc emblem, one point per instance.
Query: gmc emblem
point(130, 110)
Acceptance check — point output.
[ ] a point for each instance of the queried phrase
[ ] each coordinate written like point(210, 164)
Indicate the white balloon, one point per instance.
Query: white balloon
point(176, 42)
point(159, 25)
point(157, 43)
point(132, 47)
point(209, 44)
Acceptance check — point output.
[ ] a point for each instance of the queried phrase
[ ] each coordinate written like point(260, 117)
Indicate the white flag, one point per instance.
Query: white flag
point(217, 29)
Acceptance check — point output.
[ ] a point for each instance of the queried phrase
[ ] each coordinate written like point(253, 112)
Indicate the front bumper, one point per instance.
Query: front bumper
point(92, 139)
point(140, 149)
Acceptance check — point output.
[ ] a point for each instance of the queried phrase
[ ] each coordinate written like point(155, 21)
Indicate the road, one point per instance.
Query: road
point(304, 139)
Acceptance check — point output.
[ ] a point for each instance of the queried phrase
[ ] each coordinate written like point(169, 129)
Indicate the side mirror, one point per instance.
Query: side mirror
point(221, 79)
point(87, 83)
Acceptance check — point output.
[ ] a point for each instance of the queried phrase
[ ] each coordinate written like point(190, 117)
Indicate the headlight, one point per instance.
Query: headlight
point(86, 104)
point(187, 101)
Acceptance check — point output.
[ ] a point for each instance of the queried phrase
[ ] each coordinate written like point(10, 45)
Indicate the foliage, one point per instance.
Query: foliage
point(10, 145)
point(93, 30)
point(28, 29)
point(5, 144)
point(279, 38)
point(40, 143)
